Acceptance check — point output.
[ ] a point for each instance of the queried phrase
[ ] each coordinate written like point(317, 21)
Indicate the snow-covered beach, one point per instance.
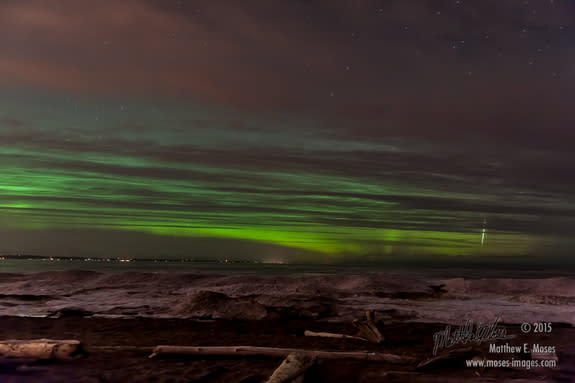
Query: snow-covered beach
point(328, 297)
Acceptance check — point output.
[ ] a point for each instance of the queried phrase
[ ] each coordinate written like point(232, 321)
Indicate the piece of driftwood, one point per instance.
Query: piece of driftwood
point(119, 348)
point(277, 352)
point(292, 368)
point(333, 335)
point(41, 349)
point(453, 355)
point(368, 329)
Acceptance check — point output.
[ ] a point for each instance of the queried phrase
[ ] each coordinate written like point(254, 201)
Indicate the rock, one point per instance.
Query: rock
point(67, 312)
point(213, 305)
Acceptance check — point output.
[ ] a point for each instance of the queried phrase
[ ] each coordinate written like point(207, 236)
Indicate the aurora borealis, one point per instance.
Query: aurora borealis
point(299, 127)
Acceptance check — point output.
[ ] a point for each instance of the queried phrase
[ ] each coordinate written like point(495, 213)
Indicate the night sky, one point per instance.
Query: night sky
point(287, 129)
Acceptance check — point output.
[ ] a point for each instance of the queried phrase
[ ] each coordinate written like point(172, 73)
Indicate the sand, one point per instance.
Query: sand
point(145, 309)
point(410, 339)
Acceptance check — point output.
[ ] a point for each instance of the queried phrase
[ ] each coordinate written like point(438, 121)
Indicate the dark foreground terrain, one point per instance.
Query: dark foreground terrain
point(409, 339)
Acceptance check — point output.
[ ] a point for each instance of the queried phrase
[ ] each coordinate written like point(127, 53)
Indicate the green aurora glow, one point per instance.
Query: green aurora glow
point(136, 171)
point(313, 130)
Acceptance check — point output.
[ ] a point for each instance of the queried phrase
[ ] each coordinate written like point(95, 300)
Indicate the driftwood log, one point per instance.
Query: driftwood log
point(41, 349)
point(142, 349)
point(333, 335)
point(456, 355)
point(292, 368)
point(277, 352)
point(368, 329)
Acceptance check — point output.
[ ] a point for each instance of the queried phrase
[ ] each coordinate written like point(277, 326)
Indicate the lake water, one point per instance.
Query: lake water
point(472, 272)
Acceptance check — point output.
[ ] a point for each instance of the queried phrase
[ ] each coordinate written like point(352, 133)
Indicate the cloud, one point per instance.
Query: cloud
point(282, 54)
